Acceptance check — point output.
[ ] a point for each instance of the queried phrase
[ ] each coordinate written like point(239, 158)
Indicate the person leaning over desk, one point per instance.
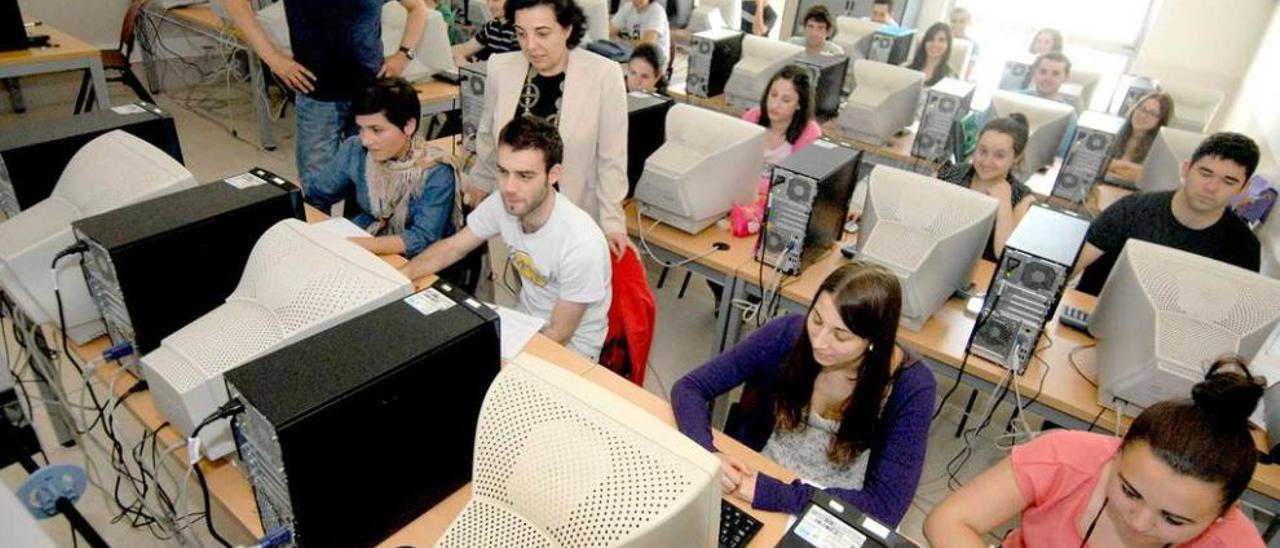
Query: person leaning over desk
point(555, 248)
point(580, 93)
point(1173, 480)
point(829, 395)
point(403, 187)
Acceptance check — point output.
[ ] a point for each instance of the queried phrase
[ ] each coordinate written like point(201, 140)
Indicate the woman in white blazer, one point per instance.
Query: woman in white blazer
point(591, 111)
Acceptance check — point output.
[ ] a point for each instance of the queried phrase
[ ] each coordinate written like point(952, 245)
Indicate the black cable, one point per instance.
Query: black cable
point(208, 519)
point(1094, 422)
point(228, 409)
point(977, 325)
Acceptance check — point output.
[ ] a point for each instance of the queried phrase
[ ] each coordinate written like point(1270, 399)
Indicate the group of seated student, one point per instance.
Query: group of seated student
point(819, 27)
point(933, 55)
point(643, 22)
point(497, 35)
point(1141, 125)
point(1173, 480)
point(645, 70)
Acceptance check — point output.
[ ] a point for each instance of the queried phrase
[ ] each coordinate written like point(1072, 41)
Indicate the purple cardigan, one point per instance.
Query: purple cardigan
point(893, 471)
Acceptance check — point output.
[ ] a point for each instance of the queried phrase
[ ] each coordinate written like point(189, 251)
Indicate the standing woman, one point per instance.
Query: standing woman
point(829, 395)
point(1000, 145)
point(1173, 481)
point(582, 93)
point(933, 55)
point(1150, 113)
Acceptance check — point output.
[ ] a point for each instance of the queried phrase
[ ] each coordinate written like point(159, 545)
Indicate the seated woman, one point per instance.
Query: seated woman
point(1144, 120)
point(644, 70)
point(834, 399)
point(1000, 145)
point(933, 55)
point(786, 112)
point(403, 188)
point(1046, 40)
point(1174, 480)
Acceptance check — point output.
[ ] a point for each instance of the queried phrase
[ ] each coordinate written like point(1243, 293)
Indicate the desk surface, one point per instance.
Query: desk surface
point(62, 46)
point(690, 245)
point(1052, 378)
point(434, 91)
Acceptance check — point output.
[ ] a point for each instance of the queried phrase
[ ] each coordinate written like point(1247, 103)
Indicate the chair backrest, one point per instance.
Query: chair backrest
point(128, 26)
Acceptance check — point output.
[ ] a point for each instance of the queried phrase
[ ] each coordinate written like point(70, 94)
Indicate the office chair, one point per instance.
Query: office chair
point(117, 60)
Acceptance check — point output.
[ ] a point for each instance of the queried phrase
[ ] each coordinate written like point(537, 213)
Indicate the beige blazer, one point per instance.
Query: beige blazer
point(593, 125)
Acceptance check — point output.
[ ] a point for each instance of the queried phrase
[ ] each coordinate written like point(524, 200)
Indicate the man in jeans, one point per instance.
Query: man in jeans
point(337, 52)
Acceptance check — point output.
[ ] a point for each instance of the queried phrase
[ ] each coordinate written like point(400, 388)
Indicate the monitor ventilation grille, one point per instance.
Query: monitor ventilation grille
point(565, 468)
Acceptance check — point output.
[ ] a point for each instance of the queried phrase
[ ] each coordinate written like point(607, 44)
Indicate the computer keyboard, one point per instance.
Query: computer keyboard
point(736, 527)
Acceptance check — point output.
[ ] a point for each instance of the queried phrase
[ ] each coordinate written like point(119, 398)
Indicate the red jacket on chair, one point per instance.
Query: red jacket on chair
point(632, 316)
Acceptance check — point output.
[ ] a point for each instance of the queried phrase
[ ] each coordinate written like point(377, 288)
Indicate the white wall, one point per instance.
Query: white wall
point(1256, 111)
point(1208, 43)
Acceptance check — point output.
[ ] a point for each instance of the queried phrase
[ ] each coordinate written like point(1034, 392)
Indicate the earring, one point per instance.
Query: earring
point(871, 346)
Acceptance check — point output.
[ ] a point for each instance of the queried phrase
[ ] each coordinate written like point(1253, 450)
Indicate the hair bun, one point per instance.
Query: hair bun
point(1021, 119)
point(1228, 394)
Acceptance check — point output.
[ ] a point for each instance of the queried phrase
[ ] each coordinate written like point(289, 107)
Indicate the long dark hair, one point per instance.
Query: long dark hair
point(1207, 437)
point(870, 300)
point(1144, 144)
point(918, 62)
point(799, 78)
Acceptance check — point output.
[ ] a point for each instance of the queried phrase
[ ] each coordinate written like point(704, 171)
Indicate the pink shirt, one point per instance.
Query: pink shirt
point(812, 131)
point(1058, 471)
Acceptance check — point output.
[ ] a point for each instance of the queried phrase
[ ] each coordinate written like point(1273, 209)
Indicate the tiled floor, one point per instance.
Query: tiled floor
point(682, 340)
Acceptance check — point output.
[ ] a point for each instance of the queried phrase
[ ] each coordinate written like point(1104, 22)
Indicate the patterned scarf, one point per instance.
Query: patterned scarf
point(393, 184)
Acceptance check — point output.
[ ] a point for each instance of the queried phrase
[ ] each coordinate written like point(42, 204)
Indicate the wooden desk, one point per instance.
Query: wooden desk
point(671, 246)
point(437, 96)
point(65, 52)
point(202, 20)
point(718, 103)
point(1059, 392)
point(1100, 198)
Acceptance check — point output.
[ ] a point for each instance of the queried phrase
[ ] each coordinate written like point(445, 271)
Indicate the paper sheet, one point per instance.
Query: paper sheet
point(517, 329)
point(343, 228)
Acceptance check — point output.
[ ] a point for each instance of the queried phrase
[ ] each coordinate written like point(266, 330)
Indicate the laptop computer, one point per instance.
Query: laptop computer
point(828, 522)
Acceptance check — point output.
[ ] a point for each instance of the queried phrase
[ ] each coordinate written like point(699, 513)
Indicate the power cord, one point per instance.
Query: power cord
point(229, 409)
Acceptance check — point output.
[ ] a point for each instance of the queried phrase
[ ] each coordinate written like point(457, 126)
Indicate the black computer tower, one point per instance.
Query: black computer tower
point(826, 73)
point(938, 136)
point(1027, 285)
point(808, 200)
point(34, 153)
point(646, 131)
point(472, 99)
point(1087, 159)
point(354, 432)
point(13, 33)
point(712, 55)
point(155, 266)
point(891, 45)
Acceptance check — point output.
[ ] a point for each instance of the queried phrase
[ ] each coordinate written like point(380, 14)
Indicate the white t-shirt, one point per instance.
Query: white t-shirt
point(632, 25)
point(567, 258)
point(828, 47)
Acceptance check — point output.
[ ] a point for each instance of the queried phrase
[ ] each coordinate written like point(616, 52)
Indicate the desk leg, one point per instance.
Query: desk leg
point(261, 106)
point(99, 78)
point(148, 57)
point(14, 86)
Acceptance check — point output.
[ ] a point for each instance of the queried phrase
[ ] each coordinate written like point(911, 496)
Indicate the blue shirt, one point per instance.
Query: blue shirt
point(429, 214)
point(340, 41)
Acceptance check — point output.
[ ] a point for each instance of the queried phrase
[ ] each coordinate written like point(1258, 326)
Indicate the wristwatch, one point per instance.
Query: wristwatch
point(407, 52)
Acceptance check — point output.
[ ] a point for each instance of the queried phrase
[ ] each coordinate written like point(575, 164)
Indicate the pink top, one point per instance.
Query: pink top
point(1057, 472)
point(812, 131)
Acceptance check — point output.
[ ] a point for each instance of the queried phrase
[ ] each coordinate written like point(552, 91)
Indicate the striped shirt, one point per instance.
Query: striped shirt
point(496, 37)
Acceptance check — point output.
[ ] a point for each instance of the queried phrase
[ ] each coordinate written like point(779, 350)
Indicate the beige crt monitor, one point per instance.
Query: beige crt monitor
point(1047, 121)
point(562, 462)
point(1164, 315)
point(432, 55)
point(928, 232)
point(761, 59)
point(1163, 168)
point(715, 14)
point(883, 102)
point(709, 162)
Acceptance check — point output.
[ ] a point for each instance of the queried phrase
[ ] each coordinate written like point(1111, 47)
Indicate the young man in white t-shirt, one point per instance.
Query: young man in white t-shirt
point(556, 249)
point(643, 21)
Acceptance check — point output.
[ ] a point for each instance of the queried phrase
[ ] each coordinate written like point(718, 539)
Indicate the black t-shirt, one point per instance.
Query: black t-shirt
point(541, 97)
point(340, 41)
point(1149, 217)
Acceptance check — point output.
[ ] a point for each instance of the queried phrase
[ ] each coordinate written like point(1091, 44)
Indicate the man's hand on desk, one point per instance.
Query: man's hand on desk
point(292, 73)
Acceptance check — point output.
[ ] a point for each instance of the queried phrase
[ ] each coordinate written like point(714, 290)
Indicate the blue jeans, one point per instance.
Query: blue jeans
point(321, 127)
